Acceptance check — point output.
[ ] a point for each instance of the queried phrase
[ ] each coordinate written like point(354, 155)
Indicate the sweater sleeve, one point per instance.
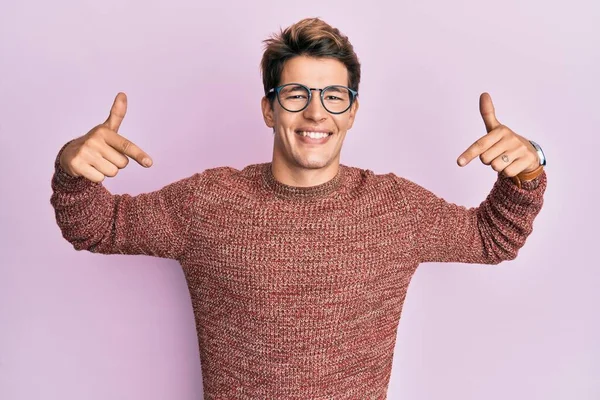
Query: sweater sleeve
point(488, 234)
point(93, 219)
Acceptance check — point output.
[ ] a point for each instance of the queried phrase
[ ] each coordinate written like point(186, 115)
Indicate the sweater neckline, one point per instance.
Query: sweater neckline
point(302, 192)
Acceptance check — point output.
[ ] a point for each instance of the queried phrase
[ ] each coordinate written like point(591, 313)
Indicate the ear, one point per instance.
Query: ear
point(353, 110)
point(268, 112)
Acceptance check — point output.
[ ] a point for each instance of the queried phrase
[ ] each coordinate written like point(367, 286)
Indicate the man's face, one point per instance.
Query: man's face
point(293, 150)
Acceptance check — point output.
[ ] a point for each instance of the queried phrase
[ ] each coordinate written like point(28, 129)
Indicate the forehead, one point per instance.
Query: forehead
point(314, 72)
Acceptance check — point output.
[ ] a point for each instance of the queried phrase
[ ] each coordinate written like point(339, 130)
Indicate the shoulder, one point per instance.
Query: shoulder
point(366, 178)
point(400, 188)
point(363, 177)
point(232, 177)
point(225, 174)
point(228, 182)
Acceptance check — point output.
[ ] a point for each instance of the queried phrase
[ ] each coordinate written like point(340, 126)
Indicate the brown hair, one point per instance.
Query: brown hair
point(311, 37)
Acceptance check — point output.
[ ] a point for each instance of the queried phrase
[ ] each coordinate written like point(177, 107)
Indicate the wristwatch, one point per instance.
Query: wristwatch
point(540, 152)
point(528, 176)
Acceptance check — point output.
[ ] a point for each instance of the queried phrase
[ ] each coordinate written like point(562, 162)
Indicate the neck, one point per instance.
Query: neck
point(303, 177)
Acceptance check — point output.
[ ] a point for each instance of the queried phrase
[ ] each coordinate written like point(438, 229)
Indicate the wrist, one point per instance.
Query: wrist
point(532, 172)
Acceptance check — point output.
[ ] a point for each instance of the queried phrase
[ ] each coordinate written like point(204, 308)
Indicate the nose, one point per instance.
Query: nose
point(315, 110)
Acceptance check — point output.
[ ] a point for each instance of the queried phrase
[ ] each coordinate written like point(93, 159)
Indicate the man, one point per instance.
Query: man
point(298, 268)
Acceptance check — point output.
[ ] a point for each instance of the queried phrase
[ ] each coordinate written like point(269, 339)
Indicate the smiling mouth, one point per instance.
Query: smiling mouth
point(313, 137)
point(314, 134)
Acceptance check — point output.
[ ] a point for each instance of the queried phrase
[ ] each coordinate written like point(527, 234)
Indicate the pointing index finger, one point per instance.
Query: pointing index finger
point(479, 147)
point(130, 149)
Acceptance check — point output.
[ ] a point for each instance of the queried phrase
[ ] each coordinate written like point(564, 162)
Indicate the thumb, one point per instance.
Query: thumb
point(488, 113)
point(117, 112)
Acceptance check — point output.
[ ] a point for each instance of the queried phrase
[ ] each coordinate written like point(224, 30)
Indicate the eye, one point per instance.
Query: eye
point(293, 93)
point(296, 97)
point(336, 94)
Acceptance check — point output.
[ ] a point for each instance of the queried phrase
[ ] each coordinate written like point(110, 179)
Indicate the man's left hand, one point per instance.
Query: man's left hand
point(501, 148)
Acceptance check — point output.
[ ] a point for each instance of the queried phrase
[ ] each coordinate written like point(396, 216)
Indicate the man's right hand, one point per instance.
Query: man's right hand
point(102, 151)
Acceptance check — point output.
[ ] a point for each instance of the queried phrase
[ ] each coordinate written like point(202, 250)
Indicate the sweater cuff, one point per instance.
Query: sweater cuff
point(529, 190)
point(65, 181)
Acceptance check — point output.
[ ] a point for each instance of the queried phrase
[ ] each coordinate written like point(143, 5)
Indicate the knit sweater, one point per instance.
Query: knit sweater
point(297, 291)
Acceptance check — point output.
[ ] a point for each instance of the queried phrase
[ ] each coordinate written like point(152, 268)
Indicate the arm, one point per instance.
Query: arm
point(488, 234)
point(93, 219)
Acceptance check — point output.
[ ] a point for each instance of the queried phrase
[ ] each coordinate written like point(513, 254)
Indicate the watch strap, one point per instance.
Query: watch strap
point(527, 176)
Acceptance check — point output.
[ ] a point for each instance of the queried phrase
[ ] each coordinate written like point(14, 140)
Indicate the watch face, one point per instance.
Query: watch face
point(540, 152)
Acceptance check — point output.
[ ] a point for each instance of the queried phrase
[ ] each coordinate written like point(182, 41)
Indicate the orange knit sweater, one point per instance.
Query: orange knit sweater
point(297, 292)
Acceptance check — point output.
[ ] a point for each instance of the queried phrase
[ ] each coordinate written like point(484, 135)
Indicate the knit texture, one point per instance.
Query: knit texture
point(297, 291)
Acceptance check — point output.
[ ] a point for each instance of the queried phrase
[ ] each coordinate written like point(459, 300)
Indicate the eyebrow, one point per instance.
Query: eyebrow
point(295, 87)
point(338, 89)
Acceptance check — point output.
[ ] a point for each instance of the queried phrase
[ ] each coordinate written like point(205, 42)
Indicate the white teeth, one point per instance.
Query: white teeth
point(314, 135)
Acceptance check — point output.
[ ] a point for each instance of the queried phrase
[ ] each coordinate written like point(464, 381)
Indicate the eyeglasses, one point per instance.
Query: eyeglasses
point(295, 97)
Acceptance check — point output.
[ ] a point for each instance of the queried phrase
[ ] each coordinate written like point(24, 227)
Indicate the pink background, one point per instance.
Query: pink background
point(75, 325)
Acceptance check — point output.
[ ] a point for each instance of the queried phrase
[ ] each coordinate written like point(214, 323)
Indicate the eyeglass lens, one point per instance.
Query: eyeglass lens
point(336, 99)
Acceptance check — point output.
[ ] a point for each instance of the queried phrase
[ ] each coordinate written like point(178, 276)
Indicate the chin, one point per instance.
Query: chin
point(314, 162)
point(314, 165)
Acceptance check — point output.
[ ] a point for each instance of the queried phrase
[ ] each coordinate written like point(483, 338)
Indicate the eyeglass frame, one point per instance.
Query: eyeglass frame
point(277, 89)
